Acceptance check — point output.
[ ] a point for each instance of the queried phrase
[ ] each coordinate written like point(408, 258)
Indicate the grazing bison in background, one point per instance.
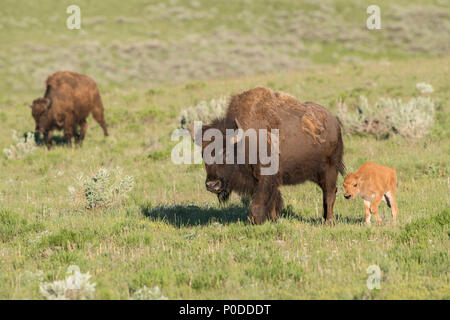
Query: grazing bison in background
point(68, 100)
point(310, 149)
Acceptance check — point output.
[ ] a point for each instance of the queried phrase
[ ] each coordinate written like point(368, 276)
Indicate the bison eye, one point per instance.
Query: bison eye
point(355, 185)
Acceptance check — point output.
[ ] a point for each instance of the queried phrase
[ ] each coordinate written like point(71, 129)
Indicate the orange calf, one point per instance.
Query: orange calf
point(374, 183)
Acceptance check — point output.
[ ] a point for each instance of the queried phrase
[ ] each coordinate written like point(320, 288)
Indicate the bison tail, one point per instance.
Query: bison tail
point(340, 153)
point(47, 91)
point(341, 168)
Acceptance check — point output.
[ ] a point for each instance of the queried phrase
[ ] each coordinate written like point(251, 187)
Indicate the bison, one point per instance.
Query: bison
point(309, 143)
point(374, 183)
point(67, 102)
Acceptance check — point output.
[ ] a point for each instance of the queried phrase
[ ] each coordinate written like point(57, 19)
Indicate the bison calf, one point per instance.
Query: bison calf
point(68, 100)
point(374, 183)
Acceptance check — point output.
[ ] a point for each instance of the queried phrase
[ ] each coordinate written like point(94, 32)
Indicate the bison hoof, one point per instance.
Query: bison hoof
point(256, 220)
point(274, 218)
point(257, 214)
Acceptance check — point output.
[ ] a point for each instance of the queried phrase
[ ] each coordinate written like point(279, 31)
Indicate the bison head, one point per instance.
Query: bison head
point(39, 109)
point(351, 185)
point(219, 174)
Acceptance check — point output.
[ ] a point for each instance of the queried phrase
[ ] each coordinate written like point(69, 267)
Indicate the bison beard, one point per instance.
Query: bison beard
point(224, 195)
point(310, 149)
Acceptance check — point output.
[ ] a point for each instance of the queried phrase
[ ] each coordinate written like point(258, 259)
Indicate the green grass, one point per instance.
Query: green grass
point(170, 232)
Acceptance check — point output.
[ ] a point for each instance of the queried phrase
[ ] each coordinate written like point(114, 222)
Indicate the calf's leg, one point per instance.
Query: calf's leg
point(367, 209)
point(374, 208)
point(392, 204)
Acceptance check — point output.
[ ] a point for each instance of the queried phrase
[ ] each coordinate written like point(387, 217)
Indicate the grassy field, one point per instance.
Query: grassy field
point(170, 232)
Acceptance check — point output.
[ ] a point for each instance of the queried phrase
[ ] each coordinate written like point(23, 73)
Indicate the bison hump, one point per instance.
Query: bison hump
point(255, 108)
point(314, 122)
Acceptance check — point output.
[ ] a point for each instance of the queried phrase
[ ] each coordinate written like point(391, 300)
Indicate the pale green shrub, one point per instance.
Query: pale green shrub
point(203, 111)
point(365, 121)
point(410, 119)
point(23, 146)
point(30, 276)
point(38, 236)
point(424, 87)
point(105, 188)
point(76, 286)
point(148, 294)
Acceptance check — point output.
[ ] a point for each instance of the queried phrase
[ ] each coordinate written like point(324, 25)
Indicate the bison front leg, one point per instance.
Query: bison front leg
point(37, 136)
point(69, 130)
point(83, 130)
point(48, 138)
point(266, 201)
point(79, 137)
point(277, 206)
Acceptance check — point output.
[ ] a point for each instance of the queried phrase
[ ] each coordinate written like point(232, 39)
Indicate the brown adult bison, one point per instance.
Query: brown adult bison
point(68, 100)
point(310, 149)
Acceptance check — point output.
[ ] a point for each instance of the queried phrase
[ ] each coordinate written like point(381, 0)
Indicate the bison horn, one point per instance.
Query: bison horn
point(47, 102)
point(196, 131)
point(237, 138)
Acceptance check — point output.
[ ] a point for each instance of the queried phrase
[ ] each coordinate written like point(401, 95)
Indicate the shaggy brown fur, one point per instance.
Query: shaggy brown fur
point(68, 100)
point(310, 145)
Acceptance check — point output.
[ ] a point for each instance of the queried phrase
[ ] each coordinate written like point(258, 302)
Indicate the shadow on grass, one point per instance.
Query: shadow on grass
point(289, 213)
point(190, 215)
point(57, 140)
point(349, 220)
point(319, 221)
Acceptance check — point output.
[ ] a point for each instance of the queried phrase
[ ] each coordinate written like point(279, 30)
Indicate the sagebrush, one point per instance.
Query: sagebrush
point(22, 147)
point(424, 88)
point(105, 188)
point(148, 294)
point(203, 111)
point(76, 286)
point(411, 119)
